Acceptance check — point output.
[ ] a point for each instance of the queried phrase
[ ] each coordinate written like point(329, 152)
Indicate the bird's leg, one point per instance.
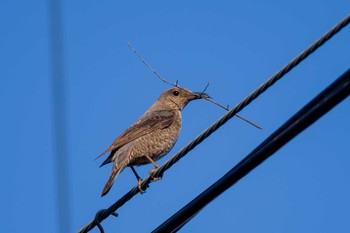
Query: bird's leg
point(139, 180)
point(135, 173)
point(153, 170)
point(152, 161)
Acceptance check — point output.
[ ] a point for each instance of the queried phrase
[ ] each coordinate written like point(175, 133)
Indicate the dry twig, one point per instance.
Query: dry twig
point(210, 99)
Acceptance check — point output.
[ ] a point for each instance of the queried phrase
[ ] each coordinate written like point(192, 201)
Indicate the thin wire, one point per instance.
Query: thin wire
point(310, 113)
point(221, 121)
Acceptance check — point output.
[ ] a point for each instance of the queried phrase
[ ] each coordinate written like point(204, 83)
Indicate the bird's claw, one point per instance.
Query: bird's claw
point(139, 186)
point(154, 178)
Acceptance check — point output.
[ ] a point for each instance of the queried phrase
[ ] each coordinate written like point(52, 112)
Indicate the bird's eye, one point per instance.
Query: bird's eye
point(176, 93)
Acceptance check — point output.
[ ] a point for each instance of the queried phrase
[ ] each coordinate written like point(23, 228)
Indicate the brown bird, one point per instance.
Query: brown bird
point(152, 136)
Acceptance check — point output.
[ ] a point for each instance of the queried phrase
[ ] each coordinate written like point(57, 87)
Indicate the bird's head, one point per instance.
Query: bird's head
point(178, 98)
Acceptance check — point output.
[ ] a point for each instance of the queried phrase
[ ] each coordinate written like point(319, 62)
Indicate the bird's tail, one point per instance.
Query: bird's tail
point(118, 167)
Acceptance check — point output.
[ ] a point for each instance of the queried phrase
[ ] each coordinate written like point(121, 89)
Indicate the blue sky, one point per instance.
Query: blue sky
point(234, 45)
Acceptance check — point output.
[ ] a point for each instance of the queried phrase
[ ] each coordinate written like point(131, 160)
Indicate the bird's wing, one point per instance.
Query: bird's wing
point(148, 123)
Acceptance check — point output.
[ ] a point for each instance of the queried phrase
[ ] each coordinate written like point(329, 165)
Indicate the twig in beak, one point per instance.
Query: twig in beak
point(253, 124)
point(227, 109)
point(205, 89)
point(150, 67)
point(212, 101)
point(208, 98)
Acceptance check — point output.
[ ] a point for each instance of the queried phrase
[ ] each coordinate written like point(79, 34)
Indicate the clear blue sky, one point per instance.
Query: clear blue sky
point(235, 45)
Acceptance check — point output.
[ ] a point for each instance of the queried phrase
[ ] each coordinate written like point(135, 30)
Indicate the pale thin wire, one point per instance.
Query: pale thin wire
point(219, 123)
point(59, 119)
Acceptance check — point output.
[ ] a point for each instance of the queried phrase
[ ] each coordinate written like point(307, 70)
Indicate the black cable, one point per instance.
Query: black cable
point(310, 113)
point(220, 122)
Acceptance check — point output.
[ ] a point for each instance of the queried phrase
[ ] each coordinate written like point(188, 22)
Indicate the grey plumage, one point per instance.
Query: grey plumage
point(152, 136)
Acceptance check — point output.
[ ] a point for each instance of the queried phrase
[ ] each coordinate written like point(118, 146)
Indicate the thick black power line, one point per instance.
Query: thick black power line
point(310, 113)
point(103, 214)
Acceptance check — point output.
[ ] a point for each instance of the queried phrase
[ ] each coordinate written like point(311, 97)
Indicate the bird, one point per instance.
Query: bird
point(152, 136)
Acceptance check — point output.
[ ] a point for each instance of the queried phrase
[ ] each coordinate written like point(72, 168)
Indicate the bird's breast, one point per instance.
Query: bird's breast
point(156, 144)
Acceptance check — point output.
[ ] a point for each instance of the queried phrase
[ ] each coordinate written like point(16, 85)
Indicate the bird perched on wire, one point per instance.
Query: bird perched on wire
point(150, 137)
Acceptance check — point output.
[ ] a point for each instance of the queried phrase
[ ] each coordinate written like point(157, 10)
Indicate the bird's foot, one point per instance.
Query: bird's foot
point(139, 186)
point(154, 178)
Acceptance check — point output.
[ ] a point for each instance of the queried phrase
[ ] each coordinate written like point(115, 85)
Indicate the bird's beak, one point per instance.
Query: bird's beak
point(201, 95)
